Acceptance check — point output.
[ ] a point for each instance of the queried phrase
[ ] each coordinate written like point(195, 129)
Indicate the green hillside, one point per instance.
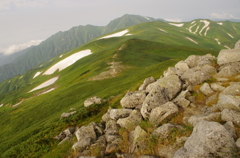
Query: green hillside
point(30, 120)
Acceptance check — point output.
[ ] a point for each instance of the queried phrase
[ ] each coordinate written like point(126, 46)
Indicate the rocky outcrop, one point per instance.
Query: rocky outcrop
point(67, 114)
point(133, 99)
point(93, 100)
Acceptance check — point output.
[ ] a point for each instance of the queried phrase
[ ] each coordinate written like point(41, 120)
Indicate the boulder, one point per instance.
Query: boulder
point(228, 70)
point(238, 143)
point(99, 144)
point(137, 139)
point(206, 89)
point(199, 74)
point(230, 127)
point(165, 130)
point(86, 132)
point(65, 115)
point(115, 114)
point(195, 119)
point(82, 144)
point(133, 99)
point(170, 71)
point(228, 102)
point(146, 82)
point(192, 61)
point(106, 116)
point(195, 60)
point(217, 87)
point(66, 133)
point(148, 156)
point(111, 128)
point(232, 89)
point(132, 121)
point(237, 45)
point(154, 99)
point(181, 67)
point(181, 99)
point(211, 100)
point(163, 112)
point(92, 100)
point(231, 115)
point(208, 139)
point(228, 56)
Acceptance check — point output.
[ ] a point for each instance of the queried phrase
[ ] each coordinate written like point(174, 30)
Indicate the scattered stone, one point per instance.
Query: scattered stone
point(228, 102)
point(115, 114)
point(228, 56)
point(206, 89)
point(111, 148)
point(165, 130)
point(208, 110)
point(238, 143)
point(212, 99)
point(231, 115)
point(82, 144)
point(230, 127)
point(229, 70)
point(170, 71)
point(163, 112)
point(222, 79)
point(146, 82)
point(192, 61)
point(132, 121)
point(195, 119)
point(106, 116)
point(92, 100)
point(166, 151)
point(233, 89)
point(217, 87)
point(181, 99)
point(65, 115)
point(133, 99)
point(148, 156)
point(208, 139)
point(181, 67)
point(124, 155)
point(86, 132)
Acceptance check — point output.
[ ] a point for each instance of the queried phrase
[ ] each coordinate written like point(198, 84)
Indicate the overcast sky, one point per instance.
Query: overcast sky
point(24, 21)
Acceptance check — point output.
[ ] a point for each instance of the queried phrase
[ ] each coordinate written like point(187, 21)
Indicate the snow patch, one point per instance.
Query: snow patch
point(205, 34)
point(190, 28)
point(147, 18)
point(60, 56)
point(45, 84)
point(193, 22)
point(20, 77)
point(1, 105)
point(129, 34)
point(162, 30)
point(220, 23)
point(67, 61)
point(218, 41)
point(47, 91)
point(37, 74)
point(227, 47)
point(230, 35)
point(234, 28)
point(196, 30)
point(118, 34)
point(178, 25)
point(17, 104)
point(192, 40)
point(205, 26)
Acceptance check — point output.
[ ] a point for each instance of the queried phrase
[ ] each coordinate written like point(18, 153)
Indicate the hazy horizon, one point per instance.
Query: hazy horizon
point(26, 22)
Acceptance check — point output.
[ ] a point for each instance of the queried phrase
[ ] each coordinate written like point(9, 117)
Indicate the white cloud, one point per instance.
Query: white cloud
point(7, 4)
point(15, 48)
point(173, 20)
point(223, 16)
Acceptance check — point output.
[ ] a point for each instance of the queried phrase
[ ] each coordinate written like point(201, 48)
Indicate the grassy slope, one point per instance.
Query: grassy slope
point(28, 129)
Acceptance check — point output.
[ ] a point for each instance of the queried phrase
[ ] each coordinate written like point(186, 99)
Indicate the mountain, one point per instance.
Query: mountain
point(64, 41)
point(108, 66)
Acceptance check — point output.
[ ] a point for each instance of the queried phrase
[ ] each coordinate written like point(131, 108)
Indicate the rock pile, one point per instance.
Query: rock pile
point(202, 92)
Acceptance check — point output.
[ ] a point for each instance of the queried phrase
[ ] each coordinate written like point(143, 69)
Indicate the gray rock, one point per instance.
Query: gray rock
point(181, 99)
point(232, 89)
point(92, 100)
point(138, 140)
point(65, 115)
point(146, 82)
point(237, 45)
point(195, 60)
point(228, 56)
point(99, 144)
point(163, 112)
point(181, 67)
point(199, 74)
point(111, 148)
point(206, 89)
point(228, 70)
point(86, 132)
point(82, 144)
point(228, 102)
point(208, 110)
point(166, 151)
point(217, 87)
point(195, 119)
point(238, 143)
point(230, 127)
point(192, 61)
point(133, 99)
point(115, 114)
point(124, 155)
point(148, 156)
point(165, 130)
point(132, 121)
point(154, 99)
point(231, 115)
point(212, 99)
point(66, 133)
point(170, 71)
point(111, 128)
point(106, 116)
point(208, 139)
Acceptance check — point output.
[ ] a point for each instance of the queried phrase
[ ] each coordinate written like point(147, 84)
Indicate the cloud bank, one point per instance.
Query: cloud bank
point(16, 48)
point(223, 16)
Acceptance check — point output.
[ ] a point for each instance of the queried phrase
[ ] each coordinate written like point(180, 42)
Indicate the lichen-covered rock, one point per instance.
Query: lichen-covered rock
point(92, 100)
point(133, 99)
point(181, 99)
point(228, 102)
point(232, 89)
point(169, 72)
point(199, 74)
point(228, 56)
point(146, 82)
point(206, 89)
point(132, 121)
point(65, 114)
point(238, 143)
point(82, 144)
point(228, 70)
point(138, 140)
point(217, 87)
point(208, 139)
point(106, 116)
point(115, 114)
point(231, 115)
point(86, 132)
point(163, 112)
point(195, 119)
point(165, 130)
point(230, 127)
point(181, 67)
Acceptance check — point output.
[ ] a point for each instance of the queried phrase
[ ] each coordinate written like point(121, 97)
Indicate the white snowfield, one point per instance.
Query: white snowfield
point(67, 61)
point(226, 47)
point(205, 26)
point(147, 18)
point(162, 30)
point(45, 84)
point(192, 40)
point(37, 74)
point(218, 41)
point(118, 34)
point(47, 91)
point(178, 25)
point(1, 105)
point(220, 23)
point(230, 35)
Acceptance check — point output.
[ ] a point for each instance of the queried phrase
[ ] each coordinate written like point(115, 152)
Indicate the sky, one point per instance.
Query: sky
point(27, 22)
